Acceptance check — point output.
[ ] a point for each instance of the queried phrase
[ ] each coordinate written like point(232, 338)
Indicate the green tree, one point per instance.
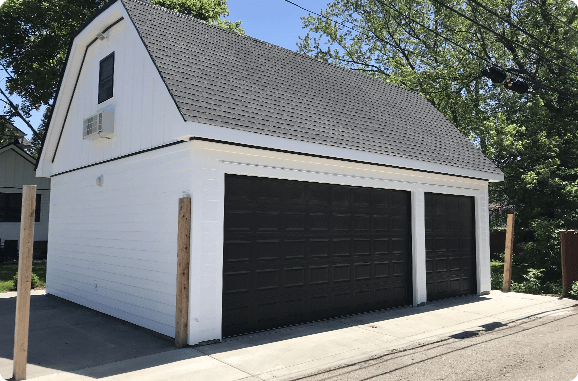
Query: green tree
point(7, 133)
point(440, 49)
point(34, 38)
point(213, 11)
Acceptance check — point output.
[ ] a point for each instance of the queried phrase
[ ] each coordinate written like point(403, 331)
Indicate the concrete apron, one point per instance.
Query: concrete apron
point(291, 352)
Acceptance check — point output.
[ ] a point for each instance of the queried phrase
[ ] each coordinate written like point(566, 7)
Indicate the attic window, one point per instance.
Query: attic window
point(105, 78)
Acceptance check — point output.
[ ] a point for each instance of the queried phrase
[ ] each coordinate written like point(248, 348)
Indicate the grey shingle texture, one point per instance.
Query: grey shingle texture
point(224, 79)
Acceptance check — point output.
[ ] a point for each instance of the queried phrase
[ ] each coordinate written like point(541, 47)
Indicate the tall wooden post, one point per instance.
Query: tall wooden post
point(183, 258)
point(508, 253)
point(23, 286)
point(563, 235)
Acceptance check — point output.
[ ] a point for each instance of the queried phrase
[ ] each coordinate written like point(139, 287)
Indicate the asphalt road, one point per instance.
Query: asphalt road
point(533, 349)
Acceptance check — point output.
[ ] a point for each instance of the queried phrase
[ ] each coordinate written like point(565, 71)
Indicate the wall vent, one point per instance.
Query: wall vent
point(100, 125)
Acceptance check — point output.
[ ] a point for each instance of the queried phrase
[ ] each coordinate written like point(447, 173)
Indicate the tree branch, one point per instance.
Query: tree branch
point(6, 71)
point(16, 111)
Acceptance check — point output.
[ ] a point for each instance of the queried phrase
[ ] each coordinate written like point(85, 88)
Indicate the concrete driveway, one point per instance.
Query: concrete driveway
point(69, 342)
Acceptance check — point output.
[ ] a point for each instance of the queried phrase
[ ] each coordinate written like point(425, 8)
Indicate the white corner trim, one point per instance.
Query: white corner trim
point(418, 257)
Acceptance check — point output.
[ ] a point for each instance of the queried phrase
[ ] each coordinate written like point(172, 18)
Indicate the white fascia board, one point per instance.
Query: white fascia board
point(73, 66)
point(199, 130)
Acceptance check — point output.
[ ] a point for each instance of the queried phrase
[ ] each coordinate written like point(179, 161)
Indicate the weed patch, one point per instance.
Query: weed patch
point(9, 272)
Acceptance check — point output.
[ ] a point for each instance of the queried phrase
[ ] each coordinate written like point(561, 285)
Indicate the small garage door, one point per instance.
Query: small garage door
point(298, 251)
point(450, 246)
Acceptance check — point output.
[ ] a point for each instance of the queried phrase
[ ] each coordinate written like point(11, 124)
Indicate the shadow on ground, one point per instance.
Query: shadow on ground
point(66, 337)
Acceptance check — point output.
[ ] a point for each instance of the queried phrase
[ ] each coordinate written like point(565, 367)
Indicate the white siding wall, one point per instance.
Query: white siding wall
point(144, 111)
point(213, 161)
point(16, 171)
point(113, 248)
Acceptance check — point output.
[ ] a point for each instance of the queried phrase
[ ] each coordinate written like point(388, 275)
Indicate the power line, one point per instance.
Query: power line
point(498, 35)
point(451, 41)
point(520, 29)
point(536, 82)
point(325, 17)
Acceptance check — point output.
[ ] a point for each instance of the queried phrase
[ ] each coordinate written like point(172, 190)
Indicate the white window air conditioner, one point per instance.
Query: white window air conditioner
point(100, 125)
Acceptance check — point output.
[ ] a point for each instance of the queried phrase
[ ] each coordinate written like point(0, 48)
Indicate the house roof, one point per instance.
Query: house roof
point(17, 147)
point(221, 78)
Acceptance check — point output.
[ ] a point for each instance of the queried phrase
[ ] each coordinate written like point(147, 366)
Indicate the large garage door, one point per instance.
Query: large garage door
point(299, 251)
point(450, 246)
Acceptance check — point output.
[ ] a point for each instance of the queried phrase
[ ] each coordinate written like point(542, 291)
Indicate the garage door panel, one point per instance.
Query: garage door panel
point(341, 247)
point(362, 271)
point(319, 275)
point(267, 221)
point(294, 277)
point(341, 273)
point(381, 223)
point(362, 247)
point(294, 221)
point(236, 250)
point(311, 251)
point(381, 246)
point(450, 246)
point(266, 279)
point(295, 249)
point(319, 248)
point(266, 250)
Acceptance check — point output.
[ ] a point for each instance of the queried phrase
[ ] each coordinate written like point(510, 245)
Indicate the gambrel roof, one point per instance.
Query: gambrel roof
point(221, 78)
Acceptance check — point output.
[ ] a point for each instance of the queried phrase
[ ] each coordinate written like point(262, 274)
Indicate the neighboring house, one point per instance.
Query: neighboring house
point(316, 191)
point(17, 170)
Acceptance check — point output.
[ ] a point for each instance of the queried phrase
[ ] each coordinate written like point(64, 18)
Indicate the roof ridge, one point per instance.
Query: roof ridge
point(190, 17)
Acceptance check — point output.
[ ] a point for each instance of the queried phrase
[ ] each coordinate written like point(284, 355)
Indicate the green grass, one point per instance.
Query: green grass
point(518, 271)
point(7, 272)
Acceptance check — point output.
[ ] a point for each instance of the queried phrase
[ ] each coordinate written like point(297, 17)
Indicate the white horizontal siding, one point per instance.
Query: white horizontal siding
point(113, 248)
point(113, 308)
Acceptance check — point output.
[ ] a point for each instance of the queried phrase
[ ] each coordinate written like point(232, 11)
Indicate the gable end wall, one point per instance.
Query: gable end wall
point(145, 113)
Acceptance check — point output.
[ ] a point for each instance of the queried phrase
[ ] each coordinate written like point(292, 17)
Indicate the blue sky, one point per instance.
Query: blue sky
point(274, 21)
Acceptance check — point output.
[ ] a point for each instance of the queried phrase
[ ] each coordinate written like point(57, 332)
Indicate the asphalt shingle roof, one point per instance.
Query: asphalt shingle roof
point(224, 79)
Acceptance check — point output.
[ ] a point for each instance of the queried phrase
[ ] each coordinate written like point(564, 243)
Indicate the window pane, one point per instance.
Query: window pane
point(106, 78)
point(10, 207)
point(37, 210)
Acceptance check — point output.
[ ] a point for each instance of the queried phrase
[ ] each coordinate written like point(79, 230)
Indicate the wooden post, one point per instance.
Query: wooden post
point(183, 258)
point(23, 286)
point(508, 253)
point(563, 248)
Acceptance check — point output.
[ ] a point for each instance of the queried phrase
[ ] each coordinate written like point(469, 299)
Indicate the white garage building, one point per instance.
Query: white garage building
point(316, 191)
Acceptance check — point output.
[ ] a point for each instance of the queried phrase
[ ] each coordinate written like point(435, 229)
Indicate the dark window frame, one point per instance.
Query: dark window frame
point(105, 84)
point(11, 207)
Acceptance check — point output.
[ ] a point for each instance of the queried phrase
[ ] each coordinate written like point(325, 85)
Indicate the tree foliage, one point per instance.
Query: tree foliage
point(213, 11)
point(430, 48)
point(34, 38)
point(7, 134)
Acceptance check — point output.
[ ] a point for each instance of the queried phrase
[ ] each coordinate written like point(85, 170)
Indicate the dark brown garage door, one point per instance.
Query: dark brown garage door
point(299, 251)
point(450, 246)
